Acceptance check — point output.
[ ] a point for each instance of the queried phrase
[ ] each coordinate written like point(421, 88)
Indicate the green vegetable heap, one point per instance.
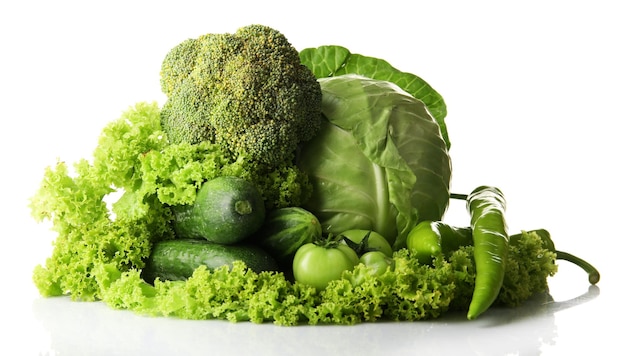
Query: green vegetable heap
point(282, 186)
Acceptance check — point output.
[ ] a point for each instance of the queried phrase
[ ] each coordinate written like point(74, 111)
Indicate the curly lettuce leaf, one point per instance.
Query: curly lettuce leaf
point(331, 61)
point(89, 234)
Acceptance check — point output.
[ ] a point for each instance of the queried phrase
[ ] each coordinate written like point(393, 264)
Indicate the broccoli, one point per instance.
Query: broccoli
point(247, 92)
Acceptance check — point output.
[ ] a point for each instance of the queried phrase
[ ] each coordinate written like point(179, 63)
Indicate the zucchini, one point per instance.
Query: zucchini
point(177, 259)
point(226, 210)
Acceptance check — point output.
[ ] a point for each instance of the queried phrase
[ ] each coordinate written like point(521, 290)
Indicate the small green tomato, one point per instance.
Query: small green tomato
point(317, 265)
point(376, 262)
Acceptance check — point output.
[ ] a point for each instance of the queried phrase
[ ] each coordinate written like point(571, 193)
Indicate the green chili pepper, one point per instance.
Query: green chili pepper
point(592, 273)
point(486, 206)
point(429, 239)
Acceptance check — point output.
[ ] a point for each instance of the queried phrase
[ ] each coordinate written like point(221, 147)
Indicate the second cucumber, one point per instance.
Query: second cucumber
point(178, 259)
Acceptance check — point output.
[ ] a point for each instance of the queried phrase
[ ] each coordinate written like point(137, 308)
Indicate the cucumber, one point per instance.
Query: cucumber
point(284, 231)
point(177, 259)
point(226, 210)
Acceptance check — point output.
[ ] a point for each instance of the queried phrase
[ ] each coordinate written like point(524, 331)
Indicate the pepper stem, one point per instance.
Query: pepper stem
point(458, 196)
point(594, 274)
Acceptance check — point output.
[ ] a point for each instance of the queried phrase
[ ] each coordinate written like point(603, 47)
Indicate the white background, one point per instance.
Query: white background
point(535, 95)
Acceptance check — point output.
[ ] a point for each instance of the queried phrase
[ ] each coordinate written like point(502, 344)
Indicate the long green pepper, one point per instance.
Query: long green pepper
point(486, 206)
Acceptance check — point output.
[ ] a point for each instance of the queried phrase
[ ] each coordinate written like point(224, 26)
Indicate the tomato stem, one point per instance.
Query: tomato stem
point(361, 247)
point(594, 274)
point(330, 241)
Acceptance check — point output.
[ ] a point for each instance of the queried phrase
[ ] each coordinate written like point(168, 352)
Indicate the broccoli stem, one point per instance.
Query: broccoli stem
point(594, 274)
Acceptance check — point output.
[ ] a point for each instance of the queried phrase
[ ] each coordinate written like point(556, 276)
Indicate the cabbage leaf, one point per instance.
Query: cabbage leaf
point(330, 61)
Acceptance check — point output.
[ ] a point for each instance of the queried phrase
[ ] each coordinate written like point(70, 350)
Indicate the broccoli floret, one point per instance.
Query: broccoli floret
point(246, 91)
point(178, 64)
point(183, 116)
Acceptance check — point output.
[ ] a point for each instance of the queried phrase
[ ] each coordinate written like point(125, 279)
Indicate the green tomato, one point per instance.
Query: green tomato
point(318, 265)
point(375, 241)
point(376, 262)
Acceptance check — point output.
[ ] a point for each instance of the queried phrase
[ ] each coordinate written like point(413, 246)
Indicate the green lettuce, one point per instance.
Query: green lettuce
point(134, 163)
point(379, 161)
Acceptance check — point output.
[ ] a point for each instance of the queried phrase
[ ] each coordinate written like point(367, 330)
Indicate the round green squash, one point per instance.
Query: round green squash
point(227, 210)
point(284, 231)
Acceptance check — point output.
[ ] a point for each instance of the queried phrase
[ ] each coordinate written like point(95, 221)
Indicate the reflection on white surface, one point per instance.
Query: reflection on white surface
point(76, 328)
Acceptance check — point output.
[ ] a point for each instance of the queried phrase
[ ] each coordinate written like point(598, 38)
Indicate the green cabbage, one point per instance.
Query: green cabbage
point(379, 162)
